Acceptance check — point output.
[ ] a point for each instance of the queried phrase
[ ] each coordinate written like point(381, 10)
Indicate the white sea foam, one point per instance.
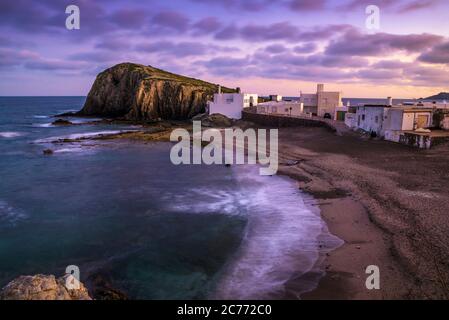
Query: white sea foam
point(84, 135)
point(11, 134)
point(10, 214)
point(281, 238)
point(72, 150)
point(43, 125)
point(40, 117)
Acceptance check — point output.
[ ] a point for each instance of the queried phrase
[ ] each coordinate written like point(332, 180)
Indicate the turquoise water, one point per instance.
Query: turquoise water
point(123, 211)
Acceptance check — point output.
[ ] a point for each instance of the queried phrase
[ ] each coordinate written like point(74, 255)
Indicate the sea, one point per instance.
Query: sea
point(121, 211)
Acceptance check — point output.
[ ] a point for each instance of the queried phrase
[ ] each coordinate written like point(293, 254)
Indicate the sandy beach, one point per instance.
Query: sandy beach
point(388, 202)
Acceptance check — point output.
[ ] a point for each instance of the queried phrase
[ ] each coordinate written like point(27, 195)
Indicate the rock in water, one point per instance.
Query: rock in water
point(62, 122)
point(143, 93)
point(42, 287)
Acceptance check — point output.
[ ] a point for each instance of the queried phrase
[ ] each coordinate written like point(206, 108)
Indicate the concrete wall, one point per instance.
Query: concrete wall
point(281, 121)
point(393, 119)
point(408, 121)
point(281, 108)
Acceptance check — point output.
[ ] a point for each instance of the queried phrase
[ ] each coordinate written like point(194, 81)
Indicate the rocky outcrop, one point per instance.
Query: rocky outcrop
point(142, 93)
point(42, 287)
point(215, 120)
point(62, 122)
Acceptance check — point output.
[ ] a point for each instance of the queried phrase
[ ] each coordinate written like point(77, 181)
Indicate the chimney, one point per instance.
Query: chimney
point(320, 87)
point(389, 101)
point(219, 89)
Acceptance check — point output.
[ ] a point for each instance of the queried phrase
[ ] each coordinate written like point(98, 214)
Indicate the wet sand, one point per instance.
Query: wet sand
point(388, 202)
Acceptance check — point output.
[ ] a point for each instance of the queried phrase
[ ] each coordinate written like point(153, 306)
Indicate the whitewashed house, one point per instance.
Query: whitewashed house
point(322, 102)
point(383, 119)
point(231, 105)
point(400, 120)
point(370, 118)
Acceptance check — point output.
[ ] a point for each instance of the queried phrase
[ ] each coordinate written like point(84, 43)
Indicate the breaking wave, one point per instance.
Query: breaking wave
point(11, 134)
point(281, 239)
point(84, 135)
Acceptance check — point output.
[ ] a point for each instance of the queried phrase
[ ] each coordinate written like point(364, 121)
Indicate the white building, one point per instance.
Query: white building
point(390, 121)
point(232, 104)
point(322, 102)
point(370, 118)
point(286, 108)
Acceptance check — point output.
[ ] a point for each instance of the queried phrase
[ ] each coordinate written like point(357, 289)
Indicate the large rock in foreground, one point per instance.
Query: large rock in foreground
point(42, 287)
point(138, 92)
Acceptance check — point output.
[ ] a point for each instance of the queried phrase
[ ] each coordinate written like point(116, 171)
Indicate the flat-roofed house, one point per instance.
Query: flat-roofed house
point(232, 104)
point(322, 102)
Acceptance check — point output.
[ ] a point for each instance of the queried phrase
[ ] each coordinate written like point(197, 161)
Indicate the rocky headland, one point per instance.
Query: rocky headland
point(143, 93)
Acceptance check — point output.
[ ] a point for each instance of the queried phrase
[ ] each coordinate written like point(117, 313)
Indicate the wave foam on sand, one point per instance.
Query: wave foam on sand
point(281, 239)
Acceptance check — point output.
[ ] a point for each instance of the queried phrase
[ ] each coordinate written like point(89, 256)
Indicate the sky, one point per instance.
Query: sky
point(263, 46)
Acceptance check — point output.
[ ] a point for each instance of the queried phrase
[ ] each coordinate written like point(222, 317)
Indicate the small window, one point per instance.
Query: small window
point(363, 117)
point(230, 100)
point(377, 119)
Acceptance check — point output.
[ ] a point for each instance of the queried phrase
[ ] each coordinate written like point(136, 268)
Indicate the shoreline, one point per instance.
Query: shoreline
point(364, 243)
point(372, 202)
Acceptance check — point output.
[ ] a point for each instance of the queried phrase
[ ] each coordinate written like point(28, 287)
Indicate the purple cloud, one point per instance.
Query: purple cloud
point(280, 31)
point(438, 54)
point(307, 5)
point(182, 49)
point(358, 44)
point(207, 25)
point(171, 20)
point(305, 48)
point(129, 18)
point(275, 48)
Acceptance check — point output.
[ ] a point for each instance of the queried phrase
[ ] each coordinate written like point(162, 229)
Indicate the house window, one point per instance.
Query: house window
point(230, 100)
point(377, 119)
point(363, 117)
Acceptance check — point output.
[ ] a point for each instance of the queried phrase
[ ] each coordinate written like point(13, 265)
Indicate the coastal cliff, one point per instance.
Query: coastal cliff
point(42, 287)
point(144, 93)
